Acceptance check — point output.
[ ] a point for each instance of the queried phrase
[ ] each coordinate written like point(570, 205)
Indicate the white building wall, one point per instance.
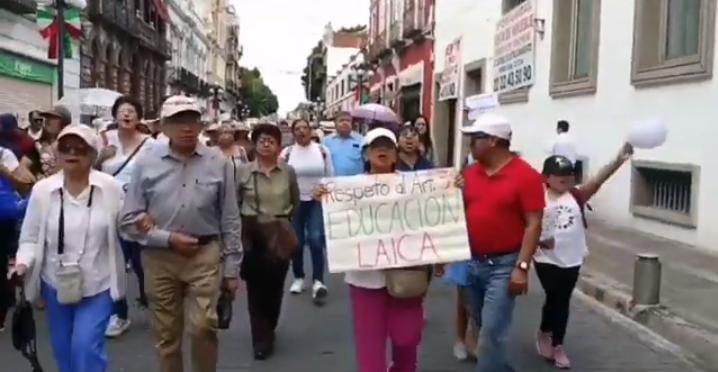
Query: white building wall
point(599, 122)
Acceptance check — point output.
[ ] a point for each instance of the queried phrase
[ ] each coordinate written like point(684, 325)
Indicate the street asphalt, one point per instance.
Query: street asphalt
point(312, 339)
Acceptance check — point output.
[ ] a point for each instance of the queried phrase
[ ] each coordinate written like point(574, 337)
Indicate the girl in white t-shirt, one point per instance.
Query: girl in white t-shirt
point(563, 247)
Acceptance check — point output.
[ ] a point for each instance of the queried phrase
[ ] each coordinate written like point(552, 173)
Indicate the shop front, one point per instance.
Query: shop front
point(26, 84)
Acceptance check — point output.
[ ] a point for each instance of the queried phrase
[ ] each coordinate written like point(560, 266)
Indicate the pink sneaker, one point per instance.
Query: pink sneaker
point(560, 359)
point(543, 345)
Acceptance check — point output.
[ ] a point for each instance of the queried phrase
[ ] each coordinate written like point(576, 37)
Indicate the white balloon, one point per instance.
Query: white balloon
point(648, 134)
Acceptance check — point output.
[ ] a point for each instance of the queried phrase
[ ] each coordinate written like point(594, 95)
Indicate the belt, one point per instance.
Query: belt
point(206, 239)
point(491, 256)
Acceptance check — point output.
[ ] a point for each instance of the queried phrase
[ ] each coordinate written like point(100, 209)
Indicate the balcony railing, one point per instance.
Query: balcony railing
point(378, 47)
point(19, 6)
point(414, 19)
point(395, 33)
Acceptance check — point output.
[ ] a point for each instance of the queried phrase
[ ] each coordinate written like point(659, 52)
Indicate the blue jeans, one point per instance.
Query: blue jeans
point(309, 226)
point(492, 309)
point(132, 252)
point(77, 332)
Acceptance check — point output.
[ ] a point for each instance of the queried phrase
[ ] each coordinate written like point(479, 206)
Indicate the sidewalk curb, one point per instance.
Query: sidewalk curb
point(698, 345)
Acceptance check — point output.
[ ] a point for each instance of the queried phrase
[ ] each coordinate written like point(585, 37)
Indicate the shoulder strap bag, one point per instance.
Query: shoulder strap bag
point(129, 158)
point(276, 232)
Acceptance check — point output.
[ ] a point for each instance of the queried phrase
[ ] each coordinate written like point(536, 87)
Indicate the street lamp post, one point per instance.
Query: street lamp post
point(216, 92)
point(361, 76)
point(60, 18)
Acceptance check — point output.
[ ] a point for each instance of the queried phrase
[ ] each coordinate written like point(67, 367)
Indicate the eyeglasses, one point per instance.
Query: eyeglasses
point(408, 132)
point(73, 149)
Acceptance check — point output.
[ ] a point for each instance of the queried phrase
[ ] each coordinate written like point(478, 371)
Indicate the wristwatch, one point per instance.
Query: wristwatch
point(523, 265)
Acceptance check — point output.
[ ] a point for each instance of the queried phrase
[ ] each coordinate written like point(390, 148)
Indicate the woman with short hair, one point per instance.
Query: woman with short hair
point(267, 189)
point(70, 254)
point(122, 147)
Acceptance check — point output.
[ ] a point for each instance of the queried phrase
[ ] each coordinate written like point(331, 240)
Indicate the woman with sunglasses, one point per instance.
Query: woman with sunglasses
point(123, 146)
point(311, 161)
point(69, 252)
point(411, 157)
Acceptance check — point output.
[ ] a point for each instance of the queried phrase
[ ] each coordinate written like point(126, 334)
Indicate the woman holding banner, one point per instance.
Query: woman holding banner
point(267, 190)
point(379, 312)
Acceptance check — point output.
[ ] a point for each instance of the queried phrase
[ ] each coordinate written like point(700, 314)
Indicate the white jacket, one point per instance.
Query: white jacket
point(31, 251)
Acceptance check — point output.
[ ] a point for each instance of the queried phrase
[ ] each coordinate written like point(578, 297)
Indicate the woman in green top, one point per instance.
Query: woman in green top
point(265, 188)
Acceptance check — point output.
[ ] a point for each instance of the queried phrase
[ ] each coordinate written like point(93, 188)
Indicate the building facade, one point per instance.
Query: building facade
point(187, 68)
point(125, 49)
point(27, 77)
point(341, 94)
point(341, 51)
point(602, 66)
point(233, 75)
point(401, 47)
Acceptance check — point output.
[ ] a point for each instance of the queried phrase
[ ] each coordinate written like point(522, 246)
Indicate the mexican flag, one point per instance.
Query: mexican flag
point(50, 29)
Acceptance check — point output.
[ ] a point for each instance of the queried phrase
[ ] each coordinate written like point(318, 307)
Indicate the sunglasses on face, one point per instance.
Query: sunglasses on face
point(73, 149)
point(408, 132)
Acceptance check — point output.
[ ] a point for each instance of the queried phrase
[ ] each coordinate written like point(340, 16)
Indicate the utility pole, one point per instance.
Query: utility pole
point(60, 18)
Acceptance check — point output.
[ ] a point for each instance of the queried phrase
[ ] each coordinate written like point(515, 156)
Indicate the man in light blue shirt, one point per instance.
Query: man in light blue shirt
point(345, 147)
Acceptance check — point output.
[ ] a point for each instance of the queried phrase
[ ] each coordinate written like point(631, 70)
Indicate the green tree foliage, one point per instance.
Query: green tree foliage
point(256, 95)
point(317, 68)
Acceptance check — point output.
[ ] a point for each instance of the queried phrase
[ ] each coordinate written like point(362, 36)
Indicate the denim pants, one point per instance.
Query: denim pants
point(77, 332)
point(132, 252)
point(309, 226)
point(492, 309)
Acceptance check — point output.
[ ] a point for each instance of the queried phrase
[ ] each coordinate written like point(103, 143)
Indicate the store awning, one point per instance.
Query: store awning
point(162, 10)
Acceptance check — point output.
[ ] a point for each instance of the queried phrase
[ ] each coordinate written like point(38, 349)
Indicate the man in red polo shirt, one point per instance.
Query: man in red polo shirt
point(504, 201)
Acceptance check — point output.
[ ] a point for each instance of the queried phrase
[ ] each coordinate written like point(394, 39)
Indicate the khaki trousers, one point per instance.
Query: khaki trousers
point(174, 284)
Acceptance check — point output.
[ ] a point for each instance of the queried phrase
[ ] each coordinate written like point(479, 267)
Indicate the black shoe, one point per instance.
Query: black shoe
point(260, 355)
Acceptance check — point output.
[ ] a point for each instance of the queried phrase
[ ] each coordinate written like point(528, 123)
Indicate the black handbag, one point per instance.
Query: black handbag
point(276, 233)
point(224, 310)
point(24, 337)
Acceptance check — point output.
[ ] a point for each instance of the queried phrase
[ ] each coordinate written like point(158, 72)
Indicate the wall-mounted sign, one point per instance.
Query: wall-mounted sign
point(514, 49)
point(450, 77)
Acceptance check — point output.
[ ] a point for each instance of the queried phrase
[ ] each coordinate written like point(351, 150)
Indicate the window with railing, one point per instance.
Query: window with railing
point(665, 192)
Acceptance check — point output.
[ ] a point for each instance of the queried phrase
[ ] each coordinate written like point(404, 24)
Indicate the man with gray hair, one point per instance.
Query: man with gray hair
point(182, 206)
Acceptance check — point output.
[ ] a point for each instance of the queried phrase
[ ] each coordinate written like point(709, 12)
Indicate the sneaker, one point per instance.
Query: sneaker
point(543, 345)
point(117, 326)
point(560, 359)
point(319, 292)
point(460, 352)
point(297, 286)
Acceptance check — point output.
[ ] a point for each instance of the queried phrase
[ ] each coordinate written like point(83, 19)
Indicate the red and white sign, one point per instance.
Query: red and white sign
point(450, 77)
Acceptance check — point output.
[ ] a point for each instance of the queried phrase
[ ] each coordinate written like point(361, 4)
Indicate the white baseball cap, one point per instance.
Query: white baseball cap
point(492, 124)
point(87, 134)
point(377, 133)
point(177, 104)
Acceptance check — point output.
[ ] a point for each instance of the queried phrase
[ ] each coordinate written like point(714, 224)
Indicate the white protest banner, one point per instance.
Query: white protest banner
point(514, 49)
point(449, 83)
point(374, 222)
point(480, 104)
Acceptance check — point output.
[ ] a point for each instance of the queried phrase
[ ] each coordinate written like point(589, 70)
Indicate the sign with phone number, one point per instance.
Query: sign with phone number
point(519, 77)
point(514, 49)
